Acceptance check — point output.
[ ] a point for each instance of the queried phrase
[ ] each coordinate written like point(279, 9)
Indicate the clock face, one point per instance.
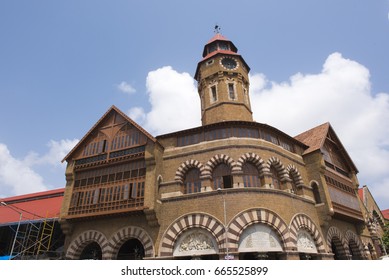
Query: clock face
point(229, 63)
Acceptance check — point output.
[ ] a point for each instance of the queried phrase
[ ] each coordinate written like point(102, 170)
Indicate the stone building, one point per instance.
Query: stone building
point(375, 222)
point(229, 189)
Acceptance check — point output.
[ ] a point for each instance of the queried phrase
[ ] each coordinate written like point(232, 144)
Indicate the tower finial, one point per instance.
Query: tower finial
point(217, 29)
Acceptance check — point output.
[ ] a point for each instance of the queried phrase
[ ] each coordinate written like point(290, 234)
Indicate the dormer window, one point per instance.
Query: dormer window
point(212, 48)
point(223, 46)
point(218, 46)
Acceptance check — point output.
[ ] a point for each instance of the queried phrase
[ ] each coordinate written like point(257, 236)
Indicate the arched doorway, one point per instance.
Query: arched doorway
point(259, 241)
point(92, 251)
point(337, 249)
point(306, 245)
point(196, 243)
point(355, 253)
point(132, 249)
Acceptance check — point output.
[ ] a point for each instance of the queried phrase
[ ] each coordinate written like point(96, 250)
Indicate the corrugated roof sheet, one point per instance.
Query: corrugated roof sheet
point(35, 206)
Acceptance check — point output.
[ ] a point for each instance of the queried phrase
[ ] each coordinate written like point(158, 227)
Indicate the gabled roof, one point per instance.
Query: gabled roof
point(110, 110)
point(35, 206)
point(315, 138)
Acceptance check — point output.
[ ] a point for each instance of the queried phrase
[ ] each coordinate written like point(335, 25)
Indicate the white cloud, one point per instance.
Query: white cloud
point(57, 151)
point(174, 100)
point(339, 94)
point(16, 177)
point(19, 176)
point(126, 88)
point(137, 114)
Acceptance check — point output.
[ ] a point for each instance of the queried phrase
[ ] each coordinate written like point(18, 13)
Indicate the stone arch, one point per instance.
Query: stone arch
point(291, 169)
point(302, 221)
point(334, 232)
point(78, 244)
point(185, 166)
point(199, 220)
point(215, 160)
point(257, 215)
point(356, 245)
point(252, 158)
point(277, 164)
point(378, 218)
point(122, 235)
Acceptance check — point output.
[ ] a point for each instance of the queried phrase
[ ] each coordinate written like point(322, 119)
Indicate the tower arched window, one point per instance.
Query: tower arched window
point(231, 91)
point(192, 181)
point(221, 177)
point(250, 175)
point(276, 182)
point(213, 94)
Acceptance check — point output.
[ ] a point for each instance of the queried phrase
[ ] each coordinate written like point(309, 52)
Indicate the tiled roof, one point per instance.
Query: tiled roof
point(217, 37)
point(35, 206)
point(314, 138)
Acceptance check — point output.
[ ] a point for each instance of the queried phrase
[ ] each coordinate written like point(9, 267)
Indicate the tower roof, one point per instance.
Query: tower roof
point(219, 45)
point(219, 37)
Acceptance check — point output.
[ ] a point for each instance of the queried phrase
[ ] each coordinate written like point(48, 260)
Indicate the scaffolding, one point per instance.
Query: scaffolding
point(33, 238)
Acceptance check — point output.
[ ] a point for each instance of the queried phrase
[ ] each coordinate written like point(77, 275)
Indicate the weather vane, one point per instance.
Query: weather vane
point(217, 29)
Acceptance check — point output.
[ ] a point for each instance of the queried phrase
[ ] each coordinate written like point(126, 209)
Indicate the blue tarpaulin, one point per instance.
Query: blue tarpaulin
point(2, 258)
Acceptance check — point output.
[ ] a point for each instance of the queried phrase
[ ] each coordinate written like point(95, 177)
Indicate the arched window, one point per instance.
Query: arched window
point(222, 177)
point(192, 181)
point(250, 175)
point(293, 182)
point(275, 178)
point(316, 193)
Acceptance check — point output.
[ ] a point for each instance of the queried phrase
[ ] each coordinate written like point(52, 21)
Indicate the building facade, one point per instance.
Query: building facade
point(229, 189)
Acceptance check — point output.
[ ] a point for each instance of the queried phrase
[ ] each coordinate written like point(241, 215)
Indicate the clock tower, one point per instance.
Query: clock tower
point(223, 83)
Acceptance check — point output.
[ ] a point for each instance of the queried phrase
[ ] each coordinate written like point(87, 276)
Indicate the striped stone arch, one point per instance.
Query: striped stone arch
point(291, 170)
point(276, 163)
point(215, 160)
point(357, 246)
point(75, 248)
point(126, 233)
point(195, 220)
point(340, 244)
point(302, 221)
point(254, 216)
point(185, 166)
point(252, 158)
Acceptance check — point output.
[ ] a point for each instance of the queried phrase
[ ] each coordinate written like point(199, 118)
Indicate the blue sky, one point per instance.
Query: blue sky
point(64, 63)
